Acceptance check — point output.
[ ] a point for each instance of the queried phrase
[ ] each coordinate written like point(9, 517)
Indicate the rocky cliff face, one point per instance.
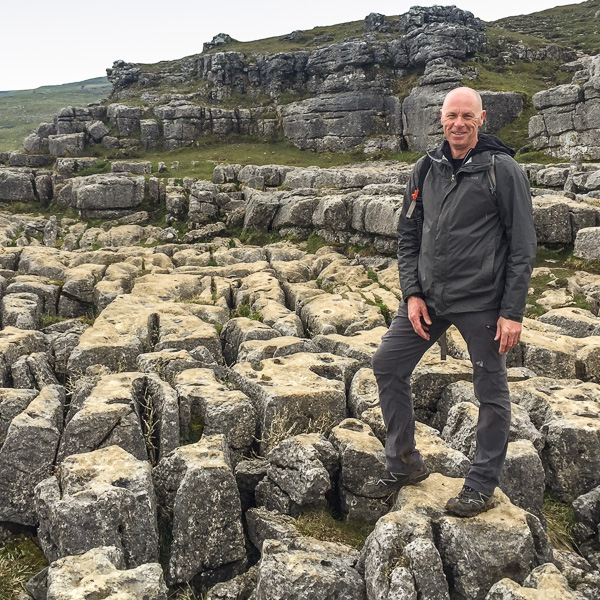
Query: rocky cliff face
point(568, 123)
point(350, 83)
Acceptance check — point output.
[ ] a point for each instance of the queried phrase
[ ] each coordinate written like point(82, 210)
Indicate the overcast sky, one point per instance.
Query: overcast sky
point(51, 42)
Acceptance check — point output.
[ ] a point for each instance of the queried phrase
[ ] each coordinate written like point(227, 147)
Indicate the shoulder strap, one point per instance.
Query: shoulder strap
point(492, 175)
point(423, 169)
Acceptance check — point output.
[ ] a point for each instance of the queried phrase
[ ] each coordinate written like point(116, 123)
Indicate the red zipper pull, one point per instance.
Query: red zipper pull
point(411, 208)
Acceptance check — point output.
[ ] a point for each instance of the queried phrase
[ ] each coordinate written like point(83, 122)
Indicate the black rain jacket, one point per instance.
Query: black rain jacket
point(478, 244)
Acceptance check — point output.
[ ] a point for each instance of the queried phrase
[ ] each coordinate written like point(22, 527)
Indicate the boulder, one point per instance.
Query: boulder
point(472, 553)
point(546, 582)
point(587, 243)
point(135, 411)
point(101, 572)
point(17, 185)
point(300, 388)
point(101, 498)
point(199, 502)
point(299, 474)
point(28, 452)
point(71, 144)
point(221, 410)
point(304, 568)
point(22, 310)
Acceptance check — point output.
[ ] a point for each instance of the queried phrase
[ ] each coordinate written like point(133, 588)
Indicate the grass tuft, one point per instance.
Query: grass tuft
point(20, 559)
point(325, 526)
point(559, 522)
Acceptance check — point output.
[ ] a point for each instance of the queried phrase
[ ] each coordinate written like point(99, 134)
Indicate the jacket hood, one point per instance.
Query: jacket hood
point(485, 142)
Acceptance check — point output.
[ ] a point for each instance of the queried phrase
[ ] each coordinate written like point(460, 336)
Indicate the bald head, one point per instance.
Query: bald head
point(462, 115)
point(464, 95)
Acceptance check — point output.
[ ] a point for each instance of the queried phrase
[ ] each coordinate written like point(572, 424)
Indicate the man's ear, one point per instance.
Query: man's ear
point(482, 117)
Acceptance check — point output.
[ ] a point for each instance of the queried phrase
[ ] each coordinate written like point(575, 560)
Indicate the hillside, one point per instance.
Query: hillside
point(574, 25)
point(21, 111)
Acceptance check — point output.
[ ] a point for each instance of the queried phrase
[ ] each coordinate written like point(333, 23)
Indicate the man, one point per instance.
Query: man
point(467, 263)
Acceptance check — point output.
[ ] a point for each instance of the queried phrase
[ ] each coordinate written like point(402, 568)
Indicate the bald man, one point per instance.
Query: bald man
point(466, 248)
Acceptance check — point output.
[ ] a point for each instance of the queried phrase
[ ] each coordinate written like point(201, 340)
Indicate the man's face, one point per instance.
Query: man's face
point(461, 118)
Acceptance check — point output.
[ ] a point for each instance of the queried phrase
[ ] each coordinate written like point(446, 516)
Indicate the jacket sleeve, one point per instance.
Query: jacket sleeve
point(409, 243)
point(515, 206)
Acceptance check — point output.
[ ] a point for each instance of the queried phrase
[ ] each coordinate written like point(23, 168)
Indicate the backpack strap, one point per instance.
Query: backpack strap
point(423, 170)
point(492, 176)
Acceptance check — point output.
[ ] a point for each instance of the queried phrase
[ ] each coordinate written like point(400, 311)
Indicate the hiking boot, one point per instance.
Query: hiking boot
point(389, 482)
point(469, 503)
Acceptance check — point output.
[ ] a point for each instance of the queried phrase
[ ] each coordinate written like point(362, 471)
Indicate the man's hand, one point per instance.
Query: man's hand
point(417, 310)
point(509, 333)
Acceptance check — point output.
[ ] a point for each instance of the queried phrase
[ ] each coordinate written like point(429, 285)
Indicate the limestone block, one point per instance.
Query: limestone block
point(363, 393)
point(362, 457)
point(222, 410)
point(587, 243)
point(200, 503)
point(97, 130)
point(523, 477)
point(301, 467)
point(334, 122)
point(12, 403)
point(261, 208)
point(101, 498)
point(304, 568)
point(134, 411)
point(101, 572)
point(567, 414)
point(240, 330)
point(574, 322)
point(360, 345)
point(22, 310)
point(71, 144)
point(28, 453)
point(15, 343)
point(552, 221)
point(332, 313)
point(500, 540)
point(253, 351)
point(298, 388)
point(439, 456)
point(44, 262)
point(430, 378)
point(103, 192)
point(17, 185)
point(135, 168)
point(34, 371)
point(545, 583)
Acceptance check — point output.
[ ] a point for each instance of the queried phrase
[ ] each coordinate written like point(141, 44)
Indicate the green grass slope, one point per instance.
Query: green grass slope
point(21, 111)
point(573, 25)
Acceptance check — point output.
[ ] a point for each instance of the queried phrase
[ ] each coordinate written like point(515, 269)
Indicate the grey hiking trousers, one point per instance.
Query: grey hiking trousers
point(393, 363)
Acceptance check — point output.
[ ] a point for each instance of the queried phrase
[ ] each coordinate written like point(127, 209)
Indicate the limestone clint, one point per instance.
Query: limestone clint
point(466, 248)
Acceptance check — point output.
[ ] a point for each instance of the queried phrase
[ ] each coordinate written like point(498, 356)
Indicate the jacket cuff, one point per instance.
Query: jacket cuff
point(413, 292)
point(506, 315)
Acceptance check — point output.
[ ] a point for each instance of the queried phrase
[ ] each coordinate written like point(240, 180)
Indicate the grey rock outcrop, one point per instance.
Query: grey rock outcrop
point(438, 549)
point(569, 120)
